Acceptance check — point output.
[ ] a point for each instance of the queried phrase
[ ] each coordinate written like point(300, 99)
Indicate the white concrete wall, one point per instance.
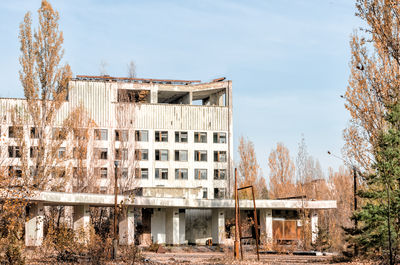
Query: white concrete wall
point(218, 226)
point(127, 227)
point(266, 226)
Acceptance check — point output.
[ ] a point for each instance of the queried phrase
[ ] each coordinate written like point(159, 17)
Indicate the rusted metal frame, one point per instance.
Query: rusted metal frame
point(135, 79)
point(256, 223)
point(255, 219)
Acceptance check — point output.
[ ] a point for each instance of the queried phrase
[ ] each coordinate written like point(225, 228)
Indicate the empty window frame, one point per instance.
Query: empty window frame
point(131, 96)
point(200, 137)
point(35, 133)
point(200, 155)
point(80, 152)
point(61, 152)
point(142, 154)
point(124, 173)
point(181, 155)
point(121, 154)
point(181, 173)
point(121, 135)
point(142, 173)
point(205, 193)
point(101, 153)
point(219, 138)
point(58, 172)
point(181, 137)
point(33, 151)
point(161, 155)
point(200, 173)
point(219, 156)
point(15, 131)
point(161, 173)
point(102, 172)
point(80, 134)
point(219, 173)
point(59, 134)
point(14, 171)
point(79, 172)
point(219, 193)
point(103, 189)
point(14, 151)
point(142, 136)
point(101, 134)
point(161, 136)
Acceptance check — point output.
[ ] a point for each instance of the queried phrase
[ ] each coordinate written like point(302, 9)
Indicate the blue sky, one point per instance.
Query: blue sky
point(288, 59)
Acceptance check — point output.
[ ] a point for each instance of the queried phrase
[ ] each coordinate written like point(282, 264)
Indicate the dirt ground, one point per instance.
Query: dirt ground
point(227, 258)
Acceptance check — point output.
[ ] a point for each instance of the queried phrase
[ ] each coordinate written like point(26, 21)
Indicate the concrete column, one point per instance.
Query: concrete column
point(187, 99)
point(127, 227)
point(154, 96)
point(182, 227)
point(314, 226)
point(81, 220)
point(266, 226)
point(158, 226)
point(34, 225)
point(218, 226)
point(172, 226)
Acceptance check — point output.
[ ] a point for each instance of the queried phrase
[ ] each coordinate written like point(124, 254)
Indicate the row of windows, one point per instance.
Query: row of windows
point(120, 135)
point(122, 154)
point(141, 173)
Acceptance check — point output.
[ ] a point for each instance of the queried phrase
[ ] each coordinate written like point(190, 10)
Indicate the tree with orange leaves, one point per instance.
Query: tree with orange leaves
point(374, 81)
point(250, 172)
point(282, 170)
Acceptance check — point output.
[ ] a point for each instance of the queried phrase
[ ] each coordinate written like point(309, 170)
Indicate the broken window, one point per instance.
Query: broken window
point(142, 136)
point(61, 152)
point(101, 172)
point(205, 193)
point(14, 151)
point(219, 193)
point(161, 173)
point(181, 137)
point(80, 134)
point(124, 173)
point(121, 154)
point(33, 151)
point(200, 155)
point(101, 134)
point(142, 173)
point(200, 173)
point(14, 171)
point(219, 138)
point(80, 152)
point(161, 136)
point(59, 134)
point(58, 172)
point(15, 131)
point(181, 155)
point(142, 154)
point(35, 133)
point(181, 173)
point(101, 153)
point(219, 156)
point(79, 172)
point(219, 173)
point(200, 137)
point(121, 135)
point(133, 96)
point(161, 155)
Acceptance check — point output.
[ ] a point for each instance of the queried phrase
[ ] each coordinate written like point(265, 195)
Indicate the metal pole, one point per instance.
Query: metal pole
point(115, 240)
point(236, 244)
point(255, 223)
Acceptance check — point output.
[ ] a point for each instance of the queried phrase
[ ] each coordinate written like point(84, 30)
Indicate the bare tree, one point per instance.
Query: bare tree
point(250, 172)
point(132, 69)
point(103, 67)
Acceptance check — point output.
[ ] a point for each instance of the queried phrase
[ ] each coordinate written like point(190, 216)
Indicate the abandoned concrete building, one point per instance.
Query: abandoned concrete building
point(173, 140)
